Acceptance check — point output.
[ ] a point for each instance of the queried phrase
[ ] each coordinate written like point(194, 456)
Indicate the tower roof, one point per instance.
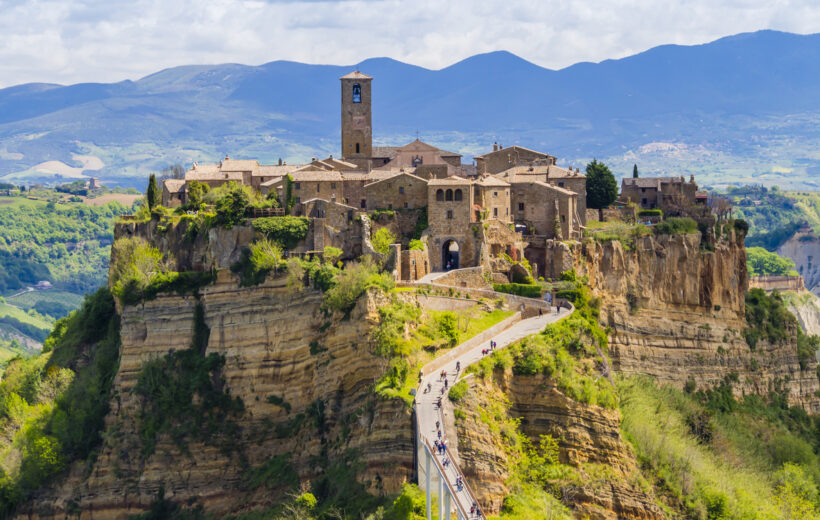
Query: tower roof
point(356, 75)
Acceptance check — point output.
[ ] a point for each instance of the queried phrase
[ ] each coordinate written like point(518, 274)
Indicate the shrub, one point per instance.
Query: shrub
point(184, 394)
point(741, 226)
point(529, 291)
point(331, 254)
point(447, 324)
point(676, 226)
point(416, 245)
point(288, 231)
point(351, 283)
point(568, 294)
point(656, 212)
point(458, 391)
point(382, 239)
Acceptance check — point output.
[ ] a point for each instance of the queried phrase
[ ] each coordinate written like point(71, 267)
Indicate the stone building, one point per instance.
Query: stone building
point(451, 218)
point(665, 193)
point(567, 178)
point(417, 154)
point(545, 210)
point(403, 190)
point(492, 196)
point(501, 159)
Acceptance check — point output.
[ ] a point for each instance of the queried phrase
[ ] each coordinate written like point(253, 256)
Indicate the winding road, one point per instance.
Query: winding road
point(428, 412)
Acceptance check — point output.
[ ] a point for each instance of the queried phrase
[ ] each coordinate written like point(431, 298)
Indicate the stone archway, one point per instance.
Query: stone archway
point(450, 251)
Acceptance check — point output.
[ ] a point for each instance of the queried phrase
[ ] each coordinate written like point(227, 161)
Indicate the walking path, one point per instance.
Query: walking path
point(428, 411)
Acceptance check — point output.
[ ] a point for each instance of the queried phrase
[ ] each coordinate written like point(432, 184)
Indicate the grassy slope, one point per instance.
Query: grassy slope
point(38, 321)
point(725, 464)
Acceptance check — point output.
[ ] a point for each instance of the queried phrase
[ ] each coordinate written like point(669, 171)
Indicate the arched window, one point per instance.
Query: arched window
point(357, 93)
point(439, 195)
point(458, 194)
point(357, 147)
point(448, 195)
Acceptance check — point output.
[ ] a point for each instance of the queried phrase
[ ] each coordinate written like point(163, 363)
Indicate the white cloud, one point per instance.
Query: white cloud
point(68, 41)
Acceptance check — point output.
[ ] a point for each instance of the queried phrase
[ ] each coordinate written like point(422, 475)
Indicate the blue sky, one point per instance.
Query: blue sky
point(69, 41)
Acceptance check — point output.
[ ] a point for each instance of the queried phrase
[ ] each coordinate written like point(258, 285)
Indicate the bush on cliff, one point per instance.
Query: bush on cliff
point(52, 406)
point(676, 226)
point(352, 281)
point(139, 272)
point(287, 231)
point(566, 351)
point(183, 394)
point(768, 318)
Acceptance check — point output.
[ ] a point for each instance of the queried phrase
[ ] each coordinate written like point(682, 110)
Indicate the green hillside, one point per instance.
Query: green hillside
point(48, 235)
point(773, 215)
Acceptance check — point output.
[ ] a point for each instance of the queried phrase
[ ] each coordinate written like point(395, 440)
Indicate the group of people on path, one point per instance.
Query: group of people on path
point(491, 348)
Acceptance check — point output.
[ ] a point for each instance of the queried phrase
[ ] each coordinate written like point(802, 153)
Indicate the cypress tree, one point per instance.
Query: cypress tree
point(152, 193)
point(634, 171)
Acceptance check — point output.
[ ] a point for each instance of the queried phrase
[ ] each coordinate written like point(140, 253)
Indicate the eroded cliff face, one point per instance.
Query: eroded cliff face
point(276, 342)
point(677, 312)
point(608, 484)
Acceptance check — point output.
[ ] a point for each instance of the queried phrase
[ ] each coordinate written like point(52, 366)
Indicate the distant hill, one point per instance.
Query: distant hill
point(743, 108)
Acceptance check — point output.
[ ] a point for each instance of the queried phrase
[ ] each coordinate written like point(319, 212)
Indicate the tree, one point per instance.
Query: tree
point(152, 193)
point(602, 190)
point(196, 190)
point(762, 263)
point(634, 171)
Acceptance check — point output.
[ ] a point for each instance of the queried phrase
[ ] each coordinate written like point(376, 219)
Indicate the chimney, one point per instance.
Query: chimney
point(692, 178)
point(495, 146)
point(280, 161)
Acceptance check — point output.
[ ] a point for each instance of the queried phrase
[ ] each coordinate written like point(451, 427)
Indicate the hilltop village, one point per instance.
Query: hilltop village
point(512, 203)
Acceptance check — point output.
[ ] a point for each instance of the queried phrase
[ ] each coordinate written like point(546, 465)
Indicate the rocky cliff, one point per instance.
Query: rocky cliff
point(305, 379)
point(676, 312)
point(606, 483)
point(804, 249)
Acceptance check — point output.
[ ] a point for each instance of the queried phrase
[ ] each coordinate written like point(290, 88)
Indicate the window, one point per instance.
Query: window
point(560, 184)
point(495, 212)
point(520, 206)
point(332, 185)
point(643, 201)
point(458, 194)
point(405, 205)
point(643, 190)
point(439, 195)
point(401, 190)
point(357, 147)
point(357, 94)
point(297, 185)
point(317, 187)
point(389, 206)
point(563, 218)
point(448, 195)
point(450, 214)
point(495, 194)
point(364, 204)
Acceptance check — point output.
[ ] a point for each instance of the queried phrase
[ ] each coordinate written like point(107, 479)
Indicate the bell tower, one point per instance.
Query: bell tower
point(357, 133)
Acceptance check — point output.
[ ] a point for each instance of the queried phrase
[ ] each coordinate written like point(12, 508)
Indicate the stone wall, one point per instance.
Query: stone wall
point(777, 283)
point(414, 264)
point(472, 277)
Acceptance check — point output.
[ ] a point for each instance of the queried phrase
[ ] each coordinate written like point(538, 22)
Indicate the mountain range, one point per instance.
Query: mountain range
point(744, 108)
